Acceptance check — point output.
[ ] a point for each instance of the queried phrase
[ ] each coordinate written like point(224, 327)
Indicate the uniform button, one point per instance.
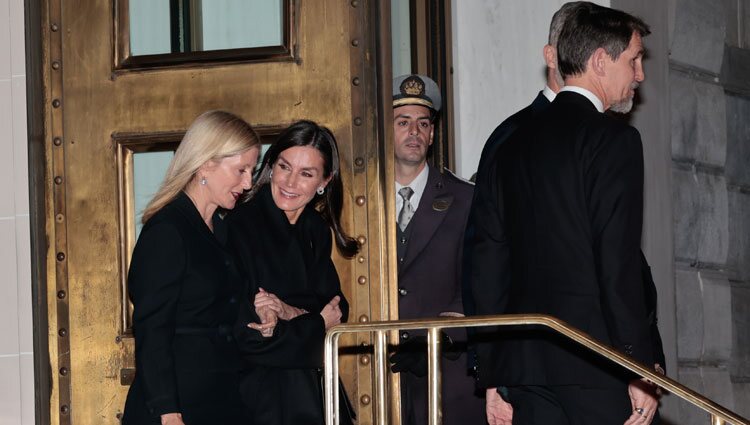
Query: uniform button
point(404, 335)
point(401, 260)
point(402, 291)
point(403, 240)
point(227, 262)
point(232, 300)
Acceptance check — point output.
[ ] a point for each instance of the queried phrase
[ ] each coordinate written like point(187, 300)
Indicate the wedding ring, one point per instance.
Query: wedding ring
point(639, 410)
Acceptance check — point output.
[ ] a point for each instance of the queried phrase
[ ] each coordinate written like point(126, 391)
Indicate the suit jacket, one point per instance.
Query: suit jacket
point(184, 286)
point(429, 283)
point(498, 136)
point(281, 382)
point(563, 221)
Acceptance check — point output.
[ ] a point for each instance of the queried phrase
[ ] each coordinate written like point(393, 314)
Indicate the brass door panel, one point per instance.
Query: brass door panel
point(93, 109)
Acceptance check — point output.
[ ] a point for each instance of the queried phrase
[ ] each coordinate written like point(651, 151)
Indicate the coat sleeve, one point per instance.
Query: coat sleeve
point(303, 334)
point(615, 185)
point(155, 282)
point(490, 265)
point(651, 306)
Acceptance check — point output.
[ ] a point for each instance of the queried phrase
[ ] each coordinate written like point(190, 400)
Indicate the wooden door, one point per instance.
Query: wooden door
point(105, 105)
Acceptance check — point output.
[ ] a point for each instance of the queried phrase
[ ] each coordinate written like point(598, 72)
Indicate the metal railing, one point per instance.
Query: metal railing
point(719, 414)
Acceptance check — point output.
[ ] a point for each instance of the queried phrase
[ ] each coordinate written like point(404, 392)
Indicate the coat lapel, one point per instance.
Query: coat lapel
point(432, 209)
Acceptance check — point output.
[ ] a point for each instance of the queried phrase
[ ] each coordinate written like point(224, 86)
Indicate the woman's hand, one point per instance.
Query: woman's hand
point(172, 419)
point(268, 321)
point(332, 312)
point(283, 310)
point(264, 311)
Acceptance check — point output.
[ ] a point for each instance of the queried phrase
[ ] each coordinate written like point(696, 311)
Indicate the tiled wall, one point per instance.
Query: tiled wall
point(16, 366)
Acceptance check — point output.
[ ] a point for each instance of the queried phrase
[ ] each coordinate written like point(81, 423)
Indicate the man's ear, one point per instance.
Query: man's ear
point(550, 56)
point(599, 61)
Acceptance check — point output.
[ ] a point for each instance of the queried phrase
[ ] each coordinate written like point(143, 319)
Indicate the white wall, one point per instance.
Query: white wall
point(498, 66)
point(16, 357)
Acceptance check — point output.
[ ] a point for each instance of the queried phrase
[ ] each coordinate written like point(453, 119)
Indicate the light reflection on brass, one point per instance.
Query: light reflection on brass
point(362, 280)
point(360, 200)
point(365, 399)
point(719, 414)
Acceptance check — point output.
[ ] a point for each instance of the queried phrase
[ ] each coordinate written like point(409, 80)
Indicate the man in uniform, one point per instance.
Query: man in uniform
point(432, 209)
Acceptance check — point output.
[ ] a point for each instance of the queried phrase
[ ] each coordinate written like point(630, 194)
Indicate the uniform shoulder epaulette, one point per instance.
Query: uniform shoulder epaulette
point(452, 175)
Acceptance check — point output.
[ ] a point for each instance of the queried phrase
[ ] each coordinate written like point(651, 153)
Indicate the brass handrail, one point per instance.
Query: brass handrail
point(719, 414)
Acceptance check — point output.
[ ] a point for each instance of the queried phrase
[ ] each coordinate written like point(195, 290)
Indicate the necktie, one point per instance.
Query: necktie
point(407, 211)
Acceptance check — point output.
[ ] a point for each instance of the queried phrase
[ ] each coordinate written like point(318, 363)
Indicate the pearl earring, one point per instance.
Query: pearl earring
point(321, 190)
point(203, 181)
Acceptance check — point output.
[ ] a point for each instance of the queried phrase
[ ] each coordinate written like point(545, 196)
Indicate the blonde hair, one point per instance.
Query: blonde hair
point(214, 135)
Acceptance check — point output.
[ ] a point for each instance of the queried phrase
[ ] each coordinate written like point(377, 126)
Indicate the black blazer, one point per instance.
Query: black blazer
point(498, 136)
point(563, 221)
point(281, 377)
point(184, 286)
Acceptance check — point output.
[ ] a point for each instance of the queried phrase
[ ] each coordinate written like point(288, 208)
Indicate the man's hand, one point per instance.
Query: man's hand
point(499, 411)
point(644, 402)
point(411, 355)
point(172, 419)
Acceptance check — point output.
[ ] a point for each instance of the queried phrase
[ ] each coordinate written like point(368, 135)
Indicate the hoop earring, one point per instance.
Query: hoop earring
point(203, 181)
point(321, 190)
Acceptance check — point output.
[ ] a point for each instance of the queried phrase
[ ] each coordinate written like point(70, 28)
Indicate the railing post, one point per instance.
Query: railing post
point(715, 420)
point(434, 378)
point(328, 358)
point(380, 373)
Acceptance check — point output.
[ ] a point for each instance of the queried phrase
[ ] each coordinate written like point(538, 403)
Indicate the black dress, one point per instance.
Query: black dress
point(185, 289)
point(281, 382)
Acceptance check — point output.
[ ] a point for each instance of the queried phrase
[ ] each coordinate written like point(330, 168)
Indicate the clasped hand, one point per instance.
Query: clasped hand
point(270, 309)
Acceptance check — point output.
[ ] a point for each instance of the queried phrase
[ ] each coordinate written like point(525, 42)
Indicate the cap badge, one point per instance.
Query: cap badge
point(413, 86)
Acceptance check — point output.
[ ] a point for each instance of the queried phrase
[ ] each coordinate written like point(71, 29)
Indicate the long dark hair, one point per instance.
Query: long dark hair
point(330, 203)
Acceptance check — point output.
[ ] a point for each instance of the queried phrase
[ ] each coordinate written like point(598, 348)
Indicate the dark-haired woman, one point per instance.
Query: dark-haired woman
point(282, 235)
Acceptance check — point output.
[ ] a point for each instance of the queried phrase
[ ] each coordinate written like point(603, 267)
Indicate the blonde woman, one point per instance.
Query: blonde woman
point(184, 283)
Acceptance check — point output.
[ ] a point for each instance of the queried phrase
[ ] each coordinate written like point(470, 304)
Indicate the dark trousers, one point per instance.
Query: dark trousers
point(570, 405)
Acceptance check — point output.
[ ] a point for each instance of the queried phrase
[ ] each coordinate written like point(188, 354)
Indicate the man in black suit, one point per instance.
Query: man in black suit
point(562, 217)
point(499, 135)
point(432, 209)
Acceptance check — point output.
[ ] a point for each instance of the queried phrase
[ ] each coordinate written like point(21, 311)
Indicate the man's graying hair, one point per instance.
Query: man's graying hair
point(559, 18)
point(590, 27)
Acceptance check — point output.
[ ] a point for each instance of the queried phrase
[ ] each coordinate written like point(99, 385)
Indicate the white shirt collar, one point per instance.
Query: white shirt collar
point(589, 95)
point(548, 93)
point(417, 185)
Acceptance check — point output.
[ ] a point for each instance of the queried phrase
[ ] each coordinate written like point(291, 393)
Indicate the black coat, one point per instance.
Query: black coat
point(563, 222)
point(184, 287)
point(429, 280)
point(281, 381)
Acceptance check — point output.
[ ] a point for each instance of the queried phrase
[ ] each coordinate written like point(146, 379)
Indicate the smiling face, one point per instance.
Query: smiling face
point(412, 133)
point(297, 175)
point(625, 75)
point(227, 178)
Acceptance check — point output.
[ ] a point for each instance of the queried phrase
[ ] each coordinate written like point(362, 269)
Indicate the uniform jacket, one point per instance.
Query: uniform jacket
point(281, 381)
point(562, 221)
point(429, 282)
point(184, 286)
